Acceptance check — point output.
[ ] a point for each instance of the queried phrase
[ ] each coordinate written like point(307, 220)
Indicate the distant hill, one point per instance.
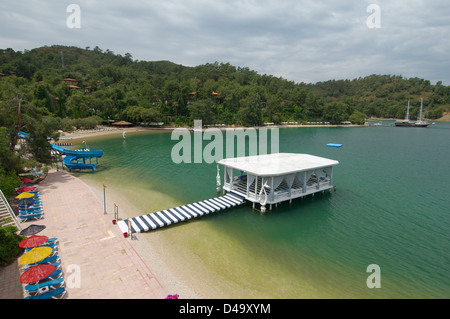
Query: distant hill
point(71, 82)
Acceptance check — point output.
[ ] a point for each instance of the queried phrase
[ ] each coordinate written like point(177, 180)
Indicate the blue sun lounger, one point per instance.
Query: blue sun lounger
point(52, 294)
point(51, 284)
point(31, 216)
point(47, 260)
point(52, 246)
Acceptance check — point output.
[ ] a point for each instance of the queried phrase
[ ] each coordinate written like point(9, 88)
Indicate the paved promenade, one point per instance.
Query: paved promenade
point(107, 264)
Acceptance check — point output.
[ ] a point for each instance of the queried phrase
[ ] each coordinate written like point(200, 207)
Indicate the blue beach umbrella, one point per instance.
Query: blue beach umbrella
point(32, 230)
point(25, 201)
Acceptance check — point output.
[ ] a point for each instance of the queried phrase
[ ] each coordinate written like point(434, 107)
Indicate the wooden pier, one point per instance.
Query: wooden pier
point(170, 216)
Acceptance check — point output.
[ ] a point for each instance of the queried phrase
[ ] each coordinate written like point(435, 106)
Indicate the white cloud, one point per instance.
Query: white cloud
point(299, 40)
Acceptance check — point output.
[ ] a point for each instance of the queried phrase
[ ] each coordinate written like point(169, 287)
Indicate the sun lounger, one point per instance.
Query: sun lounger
point(30, 211)
point(51, 284)
point(30, 208)
point(31, 216)
point(39, 179)
point(57, 293)
point(50, 242)
point(52, 246)
point(48, 260)
point(56, 264)
point(56, 274)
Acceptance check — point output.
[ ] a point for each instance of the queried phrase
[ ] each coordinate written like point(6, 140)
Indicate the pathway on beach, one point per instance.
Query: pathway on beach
point(109, 265)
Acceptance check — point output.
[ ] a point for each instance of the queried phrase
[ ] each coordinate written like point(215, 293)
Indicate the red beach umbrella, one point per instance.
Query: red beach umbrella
point(33, 241)
point(36, 273)
point(26, 189)
point(26, 180)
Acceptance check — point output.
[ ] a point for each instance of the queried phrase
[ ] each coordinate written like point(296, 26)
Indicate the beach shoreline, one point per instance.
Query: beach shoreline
point(108, 266)
point(102, 130)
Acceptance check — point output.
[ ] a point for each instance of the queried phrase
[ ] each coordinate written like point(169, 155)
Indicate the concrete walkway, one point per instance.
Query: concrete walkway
point(97, 261)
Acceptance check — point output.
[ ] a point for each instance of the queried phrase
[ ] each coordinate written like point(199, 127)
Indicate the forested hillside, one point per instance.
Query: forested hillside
point(62, 88)
point(65, 84)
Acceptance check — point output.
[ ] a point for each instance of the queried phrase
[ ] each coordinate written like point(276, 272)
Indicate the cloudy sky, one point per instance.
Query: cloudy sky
point(299, 40)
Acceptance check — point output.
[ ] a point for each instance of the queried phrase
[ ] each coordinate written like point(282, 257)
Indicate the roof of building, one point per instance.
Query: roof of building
point(122, 123)
point(277, 164)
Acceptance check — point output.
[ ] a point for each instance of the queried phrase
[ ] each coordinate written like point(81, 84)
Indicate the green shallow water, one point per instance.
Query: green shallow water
point(391, 208)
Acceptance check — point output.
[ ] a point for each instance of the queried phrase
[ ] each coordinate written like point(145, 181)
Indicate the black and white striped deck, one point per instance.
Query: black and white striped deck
point(170, 216)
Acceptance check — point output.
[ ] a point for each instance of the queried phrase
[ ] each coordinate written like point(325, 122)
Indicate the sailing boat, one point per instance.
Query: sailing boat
point(407, 122)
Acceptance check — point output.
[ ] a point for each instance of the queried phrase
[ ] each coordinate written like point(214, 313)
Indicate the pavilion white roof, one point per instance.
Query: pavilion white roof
point(277, 164)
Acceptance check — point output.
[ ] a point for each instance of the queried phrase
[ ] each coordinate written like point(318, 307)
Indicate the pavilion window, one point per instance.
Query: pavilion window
point(275, 181)
point(229, 176)
point(289, 182)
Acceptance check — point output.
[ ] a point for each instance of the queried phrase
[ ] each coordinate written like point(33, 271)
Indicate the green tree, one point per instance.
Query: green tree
point(202, 110)
point(357, 117)
point(335, 112)
point(250, 113)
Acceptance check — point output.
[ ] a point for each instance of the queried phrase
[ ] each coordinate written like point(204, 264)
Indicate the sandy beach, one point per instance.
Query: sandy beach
point(105, 131)
point(108, 130)
point(90, 246)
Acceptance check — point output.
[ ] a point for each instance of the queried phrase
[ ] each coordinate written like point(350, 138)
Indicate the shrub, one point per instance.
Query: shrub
point(9, 181)
point(9, 245)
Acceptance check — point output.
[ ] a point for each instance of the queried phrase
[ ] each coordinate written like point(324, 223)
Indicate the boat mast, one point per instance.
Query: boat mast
point(407, 113)
point(421, 105)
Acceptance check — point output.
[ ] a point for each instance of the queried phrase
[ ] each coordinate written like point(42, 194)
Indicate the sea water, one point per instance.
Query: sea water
point(390, 209)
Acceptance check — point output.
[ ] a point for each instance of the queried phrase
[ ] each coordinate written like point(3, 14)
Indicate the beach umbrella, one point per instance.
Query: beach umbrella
point(24, 195)
point(25, 201)
point(26, 180)
point(36, 273)
point(32, 230)
point(26, 189)
point(33, 241)
point(35, 255)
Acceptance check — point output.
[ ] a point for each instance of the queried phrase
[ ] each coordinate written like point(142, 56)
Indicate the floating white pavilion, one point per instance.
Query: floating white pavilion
point(274, 178)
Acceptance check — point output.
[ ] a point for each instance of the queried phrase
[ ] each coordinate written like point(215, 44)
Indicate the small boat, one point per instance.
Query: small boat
point(334, 145)
point(409, 123)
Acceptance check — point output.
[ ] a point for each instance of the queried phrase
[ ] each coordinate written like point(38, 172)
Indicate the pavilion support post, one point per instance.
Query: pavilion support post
point(256, 186)
point(130, 229)
point(331, 176)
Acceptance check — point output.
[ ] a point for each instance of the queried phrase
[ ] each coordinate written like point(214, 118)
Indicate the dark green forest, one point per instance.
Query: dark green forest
point(117, 87)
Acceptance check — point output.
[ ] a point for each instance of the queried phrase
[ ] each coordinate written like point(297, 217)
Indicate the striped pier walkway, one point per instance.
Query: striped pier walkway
point(170, 216)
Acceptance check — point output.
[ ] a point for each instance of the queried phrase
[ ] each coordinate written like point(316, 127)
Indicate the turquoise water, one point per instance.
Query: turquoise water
point(390, 208)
